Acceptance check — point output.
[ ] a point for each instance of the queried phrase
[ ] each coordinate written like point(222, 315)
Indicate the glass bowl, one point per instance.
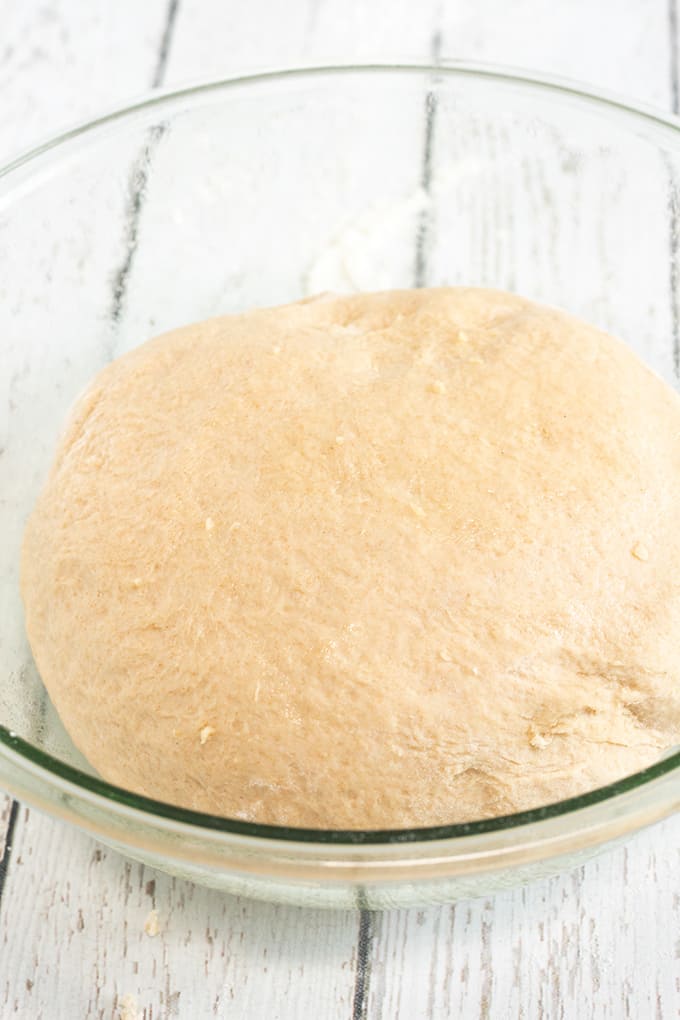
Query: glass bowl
point(260, 191)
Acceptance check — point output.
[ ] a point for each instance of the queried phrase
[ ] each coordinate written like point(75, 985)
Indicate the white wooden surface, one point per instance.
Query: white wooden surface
point(603, 942)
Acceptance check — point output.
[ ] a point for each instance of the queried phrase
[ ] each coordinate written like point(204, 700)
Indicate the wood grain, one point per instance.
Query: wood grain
point(614, 44)
point(592, 943)
point(62, 63)
point(9, 810)
point(603, 942)
point(5, 804)
point(72, 926)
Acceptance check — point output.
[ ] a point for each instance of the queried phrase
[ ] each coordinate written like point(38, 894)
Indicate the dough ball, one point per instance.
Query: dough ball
point(387, 560)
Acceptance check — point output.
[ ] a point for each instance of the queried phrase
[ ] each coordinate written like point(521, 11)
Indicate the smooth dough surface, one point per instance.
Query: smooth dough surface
point(385, 560)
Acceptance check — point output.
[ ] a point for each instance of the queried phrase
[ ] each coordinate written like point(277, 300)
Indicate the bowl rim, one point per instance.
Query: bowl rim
point(54, 772)
point(45, 767)
point(501, 73)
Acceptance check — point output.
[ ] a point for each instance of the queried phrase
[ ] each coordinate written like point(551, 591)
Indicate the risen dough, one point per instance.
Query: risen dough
point(395, 559)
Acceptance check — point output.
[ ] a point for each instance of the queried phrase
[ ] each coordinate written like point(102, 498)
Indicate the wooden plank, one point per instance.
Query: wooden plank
point(614, 44)
point(5, 804)
point(601, 942)
point(72, 932)
point(621, 45)
point(9, 810)
point(62, 63)
point(215, 39)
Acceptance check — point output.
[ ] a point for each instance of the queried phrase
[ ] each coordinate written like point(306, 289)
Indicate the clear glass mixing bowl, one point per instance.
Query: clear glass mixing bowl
point(260, 191)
